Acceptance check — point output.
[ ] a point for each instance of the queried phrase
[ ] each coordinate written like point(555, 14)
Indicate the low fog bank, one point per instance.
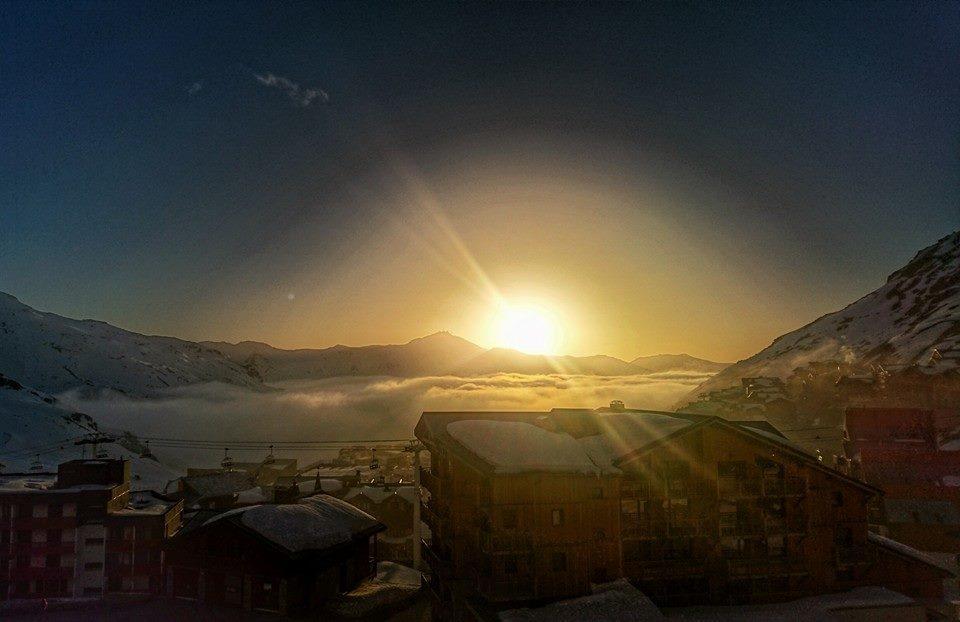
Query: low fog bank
point(358, 407)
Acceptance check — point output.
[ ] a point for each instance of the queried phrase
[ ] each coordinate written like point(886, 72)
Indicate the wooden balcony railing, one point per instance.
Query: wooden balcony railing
point(765, 566)
point(430, 481)
point(503, 541)
point(518, 587)
point(672, 528)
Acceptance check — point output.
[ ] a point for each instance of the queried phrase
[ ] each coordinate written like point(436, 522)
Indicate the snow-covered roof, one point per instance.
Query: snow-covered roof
point(378, 494)
point(526, 442)
point(218, 484)
point(922, 511)
point(907, 551)
point(145, 503)
point(27, 483)
point(516, 446)
point(617, 601)
point(313, 523)
point(822, 607)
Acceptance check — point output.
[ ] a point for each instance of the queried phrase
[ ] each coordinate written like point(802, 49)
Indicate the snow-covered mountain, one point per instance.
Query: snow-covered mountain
point(420, 357)
point(914, 318)
point(54, 354)
point(35, 426)
point(437, 354)
point(677, 362)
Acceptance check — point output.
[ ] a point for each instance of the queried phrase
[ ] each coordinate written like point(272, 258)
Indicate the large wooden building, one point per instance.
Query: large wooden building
point(532, 506)
point(286, 559)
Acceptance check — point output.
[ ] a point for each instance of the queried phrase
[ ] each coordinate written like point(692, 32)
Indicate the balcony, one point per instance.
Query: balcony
point(730, 488)
point(501, 541)
point(648, 570)
point(432, 514)
point(787, 487)
point(674, 528)
point(518, 587)
point(429, 481)
point(765, 566)
point(435, 556)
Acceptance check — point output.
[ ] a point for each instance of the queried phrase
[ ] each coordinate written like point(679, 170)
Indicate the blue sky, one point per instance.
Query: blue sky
point(231, 171)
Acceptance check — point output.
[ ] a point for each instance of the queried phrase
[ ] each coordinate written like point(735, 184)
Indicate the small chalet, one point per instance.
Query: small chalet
point(287, 559)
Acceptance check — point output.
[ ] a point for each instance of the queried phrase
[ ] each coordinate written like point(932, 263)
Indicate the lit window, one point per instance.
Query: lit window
point(557, 517)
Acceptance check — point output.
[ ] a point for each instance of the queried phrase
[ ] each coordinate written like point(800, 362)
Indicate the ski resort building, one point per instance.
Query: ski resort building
point(911, 455)
point(287, 559)
point(692, 509)
point(82, 533)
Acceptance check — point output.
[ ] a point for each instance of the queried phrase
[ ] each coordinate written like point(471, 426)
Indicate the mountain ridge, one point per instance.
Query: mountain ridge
point(913, 318)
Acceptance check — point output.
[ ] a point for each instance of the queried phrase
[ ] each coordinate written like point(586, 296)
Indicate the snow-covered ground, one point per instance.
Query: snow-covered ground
point(33, 423)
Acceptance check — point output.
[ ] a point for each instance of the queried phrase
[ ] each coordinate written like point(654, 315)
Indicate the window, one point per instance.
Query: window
point(628, 506)
point(558, 561)
point(128, 533)
point(53, 561)
point(93, 541)
point(728, 474)
point(598, 493)
point(557, 517)
point(509, 518)
point(54, 536)
point(599, 535)
point(510, 565)
point(93, 566)
point(38, 536)
point(69, 509)
point(36, 561)
point(55, 511)
point(40, 510)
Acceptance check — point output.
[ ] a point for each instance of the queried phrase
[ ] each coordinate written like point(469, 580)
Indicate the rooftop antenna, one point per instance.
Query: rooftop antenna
point(227, 461)
point(269, 459)
point(36, 466)
point(374, 463)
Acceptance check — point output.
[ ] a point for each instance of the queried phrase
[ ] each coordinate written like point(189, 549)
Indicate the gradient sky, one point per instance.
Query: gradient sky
point(666, 178)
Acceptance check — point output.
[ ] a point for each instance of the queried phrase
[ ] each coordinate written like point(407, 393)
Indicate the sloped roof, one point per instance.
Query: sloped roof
point(517, 442)
point(311, 524)
point(218, 484)
point(618, 600)
point(922, 511)
point(904, 550)
point(378, 494)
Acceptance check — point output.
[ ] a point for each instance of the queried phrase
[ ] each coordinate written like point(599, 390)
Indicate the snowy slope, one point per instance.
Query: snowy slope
point(34, 423)
point(913, 318)
point(54, 353)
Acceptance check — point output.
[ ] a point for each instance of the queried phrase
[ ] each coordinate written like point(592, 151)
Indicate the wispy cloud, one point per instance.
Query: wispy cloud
point(300, 96)
point(195, 88)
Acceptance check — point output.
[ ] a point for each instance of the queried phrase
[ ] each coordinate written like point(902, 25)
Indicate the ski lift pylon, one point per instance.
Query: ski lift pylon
point(227, 461)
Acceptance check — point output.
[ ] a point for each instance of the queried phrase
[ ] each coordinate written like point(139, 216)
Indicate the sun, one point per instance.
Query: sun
point(527, 328)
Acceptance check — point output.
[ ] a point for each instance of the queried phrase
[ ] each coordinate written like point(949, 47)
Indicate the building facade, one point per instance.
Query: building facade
point(286, 559)
point(691, 509)
point(81, 533)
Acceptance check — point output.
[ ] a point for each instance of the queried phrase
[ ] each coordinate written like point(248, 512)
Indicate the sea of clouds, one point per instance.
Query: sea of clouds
point(358, 407)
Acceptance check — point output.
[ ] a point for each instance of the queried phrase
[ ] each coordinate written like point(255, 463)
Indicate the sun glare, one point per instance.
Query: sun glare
point(528, 329)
